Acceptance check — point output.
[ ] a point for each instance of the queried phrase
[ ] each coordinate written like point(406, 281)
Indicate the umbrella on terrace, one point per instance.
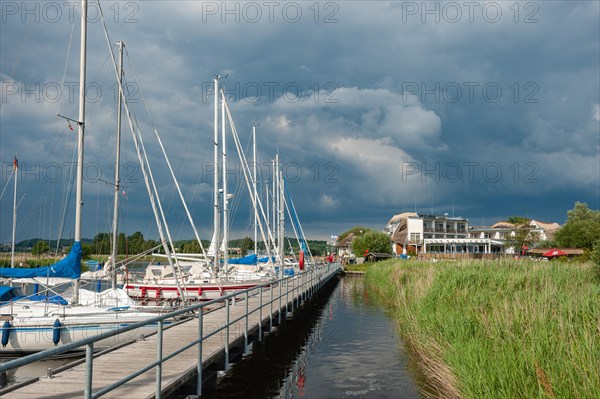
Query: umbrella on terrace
point(554, 252)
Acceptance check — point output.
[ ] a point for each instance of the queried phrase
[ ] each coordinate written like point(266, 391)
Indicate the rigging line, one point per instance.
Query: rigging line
point(7, 181)
point(238, 190)
point(255, 201)
point(171, 194)
point(68, 194)
point(170, 199)
point(51, 214)
point(62, 85)
point(17, 58)
point(135, 78)
point(204, 154)
point(25, 218)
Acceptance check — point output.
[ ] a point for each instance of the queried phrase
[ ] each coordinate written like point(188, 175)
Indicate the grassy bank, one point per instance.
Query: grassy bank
point(30, 262)
point(358, 268)
point(497, 329)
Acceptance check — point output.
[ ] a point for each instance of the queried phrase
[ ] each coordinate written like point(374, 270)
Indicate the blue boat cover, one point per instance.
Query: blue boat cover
point(4, 289)
point(266, 259)
point(69, 267)
point(7, 296)
point(287, 271)
point(246, 260)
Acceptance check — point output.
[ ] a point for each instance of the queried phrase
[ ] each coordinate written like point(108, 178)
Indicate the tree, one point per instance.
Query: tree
point(246, 245)
point(523, 236)
point(86, 251)
point(518, 220)
point(373, 241)
point(191, 247)
point(582, 228)
point(136, 243)
point(357, 230)
point(102, 243)
point(40, 247)
point(150, 244)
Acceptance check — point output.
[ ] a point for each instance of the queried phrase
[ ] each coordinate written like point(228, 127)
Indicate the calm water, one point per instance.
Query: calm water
point(343, 347)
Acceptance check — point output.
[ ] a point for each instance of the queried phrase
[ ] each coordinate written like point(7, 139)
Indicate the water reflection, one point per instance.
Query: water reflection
point(344, 346)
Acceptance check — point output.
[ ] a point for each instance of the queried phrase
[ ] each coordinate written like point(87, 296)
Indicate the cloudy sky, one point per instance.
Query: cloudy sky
point(476, 109)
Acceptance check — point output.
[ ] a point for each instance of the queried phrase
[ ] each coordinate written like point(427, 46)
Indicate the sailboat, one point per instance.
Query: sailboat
point(212, 275)
point(30, 325)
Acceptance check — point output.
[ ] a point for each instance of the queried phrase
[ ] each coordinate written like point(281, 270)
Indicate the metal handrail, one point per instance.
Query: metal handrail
point(313, 281)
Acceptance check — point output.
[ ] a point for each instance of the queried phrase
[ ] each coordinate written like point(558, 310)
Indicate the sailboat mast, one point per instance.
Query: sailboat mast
point(80, 134)
point(216, 215)
point(14, 226)
point(276, 190)
point(81, 121)
point(225, 195)
point(273, 205)
point(281, 200)
point(255, 191)
point(268, 201)
point(115, 241)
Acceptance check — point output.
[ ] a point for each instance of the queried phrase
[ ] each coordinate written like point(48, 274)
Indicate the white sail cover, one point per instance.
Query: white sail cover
point(106, 298)
point(213, 245)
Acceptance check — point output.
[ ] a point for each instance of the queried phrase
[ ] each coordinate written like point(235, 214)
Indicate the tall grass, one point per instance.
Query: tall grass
point(497, 329)
point(30, 262)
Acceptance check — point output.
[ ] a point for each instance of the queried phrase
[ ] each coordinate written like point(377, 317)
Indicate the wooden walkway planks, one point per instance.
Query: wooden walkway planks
point(117, 364)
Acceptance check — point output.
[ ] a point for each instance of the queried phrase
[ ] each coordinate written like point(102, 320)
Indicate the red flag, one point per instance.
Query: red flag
point(70, 127)
point(15, 163)
point(124, 194)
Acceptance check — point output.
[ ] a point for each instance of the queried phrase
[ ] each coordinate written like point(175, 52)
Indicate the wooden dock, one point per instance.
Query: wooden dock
point(179, 370)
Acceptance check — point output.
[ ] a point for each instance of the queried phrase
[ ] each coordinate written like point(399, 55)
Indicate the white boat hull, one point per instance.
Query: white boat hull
point(31, 326)
point(35, 338)
point(198, 292)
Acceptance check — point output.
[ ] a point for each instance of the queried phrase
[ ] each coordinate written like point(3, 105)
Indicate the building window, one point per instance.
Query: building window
point(415, 237)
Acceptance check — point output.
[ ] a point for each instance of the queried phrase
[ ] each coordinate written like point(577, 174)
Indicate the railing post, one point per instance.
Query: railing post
point(227, 336)
point(304, 289)
point(159, 353)
point(246, 330)
point(287, 291)
point(279, 308)
point(293, 293)
point(309, 285)
point(89, 367)
point(271, 309)
point(260, 314)
point(201, 338)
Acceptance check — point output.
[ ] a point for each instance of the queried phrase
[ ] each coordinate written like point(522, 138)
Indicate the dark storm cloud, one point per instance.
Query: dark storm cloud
point(487, 108)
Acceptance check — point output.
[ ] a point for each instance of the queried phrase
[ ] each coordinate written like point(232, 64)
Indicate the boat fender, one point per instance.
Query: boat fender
point(6, 327)
point(56, 332)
